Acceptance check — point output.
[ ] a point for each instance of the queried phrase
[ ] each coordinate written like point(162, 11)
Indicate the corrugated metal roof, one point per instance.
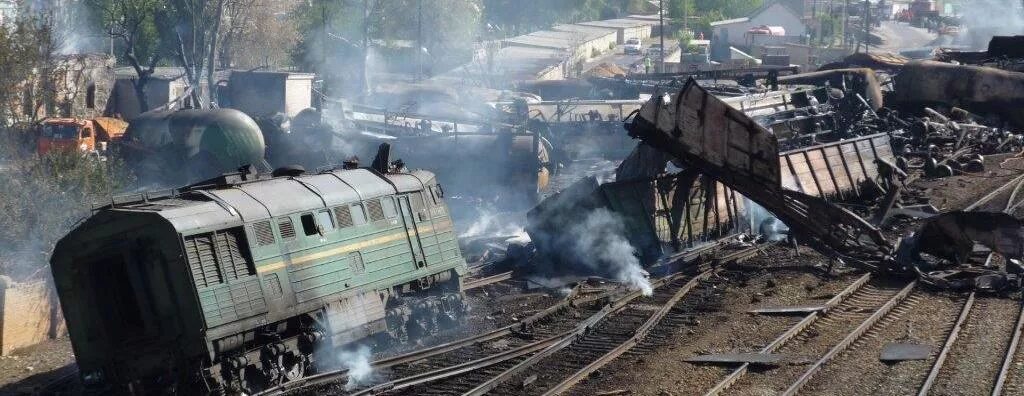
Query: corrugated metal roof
point(730, 21)
point(620, 23)
point(597, 30)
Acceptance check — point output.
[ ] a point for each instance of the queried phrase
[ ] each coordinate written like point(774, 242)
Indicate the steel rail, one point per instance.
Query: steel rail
point(580, 330)
point(1016, 181)
point(320, 378)
point(954, 333)
point(638, 336)
point(798, 328)
point(1011, 352)
point(851, 338)
point(451, 371)
point(570, 300)
point(642, 332)
point(481, 282)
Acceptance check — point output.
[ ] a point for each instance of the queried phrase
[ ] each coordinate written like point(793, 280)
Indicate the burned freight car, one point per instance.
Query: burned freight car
point(248, 280)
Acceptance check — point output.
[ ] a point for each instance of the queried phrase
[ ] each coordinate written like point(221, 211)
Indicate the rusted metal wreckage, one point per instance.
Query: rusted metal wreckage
point(705, 135)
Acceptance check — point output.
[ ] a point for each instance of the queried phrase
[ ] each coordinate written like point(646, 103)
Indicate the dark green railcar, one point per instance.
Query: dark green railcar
point(247, 282)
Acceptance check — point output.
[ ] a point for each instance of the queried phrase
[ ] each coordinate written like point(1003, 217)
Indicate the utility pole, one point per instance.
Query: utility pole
point(366, 47)
point(661, 17)
point(846, 23)
point(323, 34)
point(686, 17)
point(867, 25)
point(419, 40)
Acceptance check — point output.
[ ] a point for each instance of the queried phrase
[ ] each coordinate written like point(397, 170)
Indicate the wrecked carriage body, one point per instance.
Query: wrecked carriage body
point(952, 236)
point(703, 134)
point(981, 90)
point(248, 280)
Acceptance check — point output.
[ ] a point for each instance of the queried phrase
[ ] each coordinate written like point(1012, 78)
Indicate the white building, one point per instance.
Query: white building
point(733, 32)
point(625, 29)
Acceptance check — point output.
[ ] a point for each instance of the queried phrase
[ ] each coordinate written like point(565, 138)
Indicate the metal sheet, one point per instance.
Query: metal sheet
point(366, 183)
point(896, 352)
point(249, 208)
point(409, 182)
point(721, 135)
point(792, 309)
point(333, 191)
point(835, 169)
point(738, 358)
point(269, 193)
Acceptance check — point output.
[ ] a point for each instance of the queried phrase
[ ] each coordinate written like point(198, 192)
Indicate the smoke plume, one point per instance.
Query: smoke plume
point(599, 243)
point(358, 364)
point(986, 18)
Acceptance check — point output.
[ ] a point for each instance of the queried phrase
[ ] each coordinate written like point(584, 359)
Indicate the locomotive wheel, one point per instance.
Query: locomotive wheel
point(295, 369)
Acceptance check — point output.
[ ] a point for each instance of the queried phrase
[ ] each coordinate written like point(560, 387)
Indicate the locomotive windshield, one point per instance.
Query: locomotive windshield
point(55, 131)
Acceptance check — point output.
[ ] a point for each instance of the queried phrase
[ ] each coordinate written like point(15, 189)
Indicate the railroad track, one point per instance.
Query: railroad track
point(538, 323)
point(820, 338)
point(561, 365)
point(592, 335)
point(974, 357)
point(977, 355)
point(983, 348)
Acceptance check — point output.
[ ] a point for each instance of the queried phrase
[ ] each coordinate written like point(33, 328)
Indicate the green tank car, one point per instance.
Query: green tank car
point(185, 146)
point(248, 280)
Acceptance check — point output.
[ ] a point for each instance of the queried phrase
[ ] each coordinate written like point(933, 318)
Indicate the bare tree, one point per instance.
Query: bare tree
point(199, 25)
point(126, 21)
point(257, 33)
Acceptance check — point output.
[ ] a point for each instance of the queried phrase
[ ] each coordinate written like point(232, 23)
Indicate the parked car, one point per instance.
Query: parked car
point(633, 47)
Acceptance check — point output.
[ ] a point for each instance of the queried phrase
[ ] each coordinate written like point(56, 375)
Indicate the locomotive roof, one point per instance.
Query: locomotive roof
point(227, 205)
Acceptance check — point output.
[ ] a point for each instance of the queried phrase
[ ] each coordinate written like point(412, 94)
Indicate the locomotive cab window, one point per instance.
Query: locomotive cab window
point(358, 215)
point(388, 205)
point(434, 196)
point(325, 221)
point(309, 225)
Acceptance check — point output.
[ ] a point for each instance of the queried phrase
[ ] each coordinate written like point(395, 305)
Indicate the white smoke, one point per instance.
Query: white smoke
point(490, 222)
point(358, 364)
point(599, 243)
point(986, 18)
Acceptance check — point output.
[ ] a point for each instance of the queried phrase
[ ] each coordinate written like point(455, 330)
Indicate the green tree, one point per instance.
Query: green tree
point(42, 198)
point(142, 28)
point(22, 54)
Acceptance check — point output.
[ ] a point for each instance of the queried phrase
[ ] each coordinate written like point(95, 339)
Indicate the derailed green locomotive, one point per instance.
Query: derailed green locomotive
point(249, 280)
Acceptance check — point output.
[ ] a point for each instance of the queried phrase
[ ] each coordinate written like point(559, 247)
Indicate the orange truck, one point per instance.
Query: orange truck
point(87, 135)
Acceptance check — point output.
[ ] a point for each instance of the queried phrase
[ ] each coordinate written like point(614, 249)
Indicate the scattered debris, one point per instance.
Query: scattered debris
point(898, 352)
point(789, 310)
point(763, 359)
point(704, 134)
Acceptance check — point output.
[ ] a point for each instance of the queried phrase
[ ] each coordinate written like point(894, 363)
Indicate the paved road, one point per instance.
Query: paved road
point(619, 58)
point(900, 36)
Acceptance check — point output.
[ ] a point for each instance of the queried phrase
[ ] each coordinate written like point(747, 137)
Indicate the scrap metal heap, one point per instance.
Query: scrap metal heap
point(704, 133)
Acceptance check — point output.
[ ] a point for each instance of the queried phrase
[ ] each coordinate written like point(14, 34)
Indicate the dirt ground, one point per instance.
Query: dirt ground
point(27, 369)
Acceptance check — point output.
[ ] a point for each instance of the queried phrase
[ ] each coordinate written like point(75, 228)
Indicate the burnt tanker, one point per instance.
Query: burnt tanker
point(182, 147)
